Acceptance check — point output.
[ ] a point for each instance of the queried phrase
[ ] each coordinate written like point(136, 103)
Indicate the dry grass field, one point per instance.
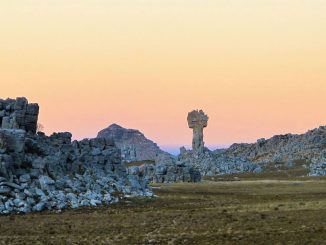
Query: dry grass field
point(213, 212)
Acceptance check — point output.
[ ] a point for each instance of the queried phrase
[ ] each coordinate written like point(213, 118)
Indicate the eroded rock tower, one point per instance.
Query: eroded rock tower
point(197, 120)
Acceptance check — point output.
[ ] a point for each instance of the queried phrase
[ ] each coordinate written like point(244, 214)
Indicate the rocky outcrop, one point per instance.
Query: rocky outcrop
point(318, 169)
point(150, 162)
point(166, 170)
point(197, 120)
point(40, 172)
point(18, 114)
point(283, 149)
point(205, 161)
point(307, 150)
point(133, 144)
point(191, 165)
point(209, 163)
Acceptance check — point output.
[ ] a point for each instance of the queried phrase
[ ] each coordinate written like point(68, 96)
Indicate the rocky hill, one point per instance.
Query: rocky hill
point(40, 172)
point(305, 151)
point(133, 144)
point(289, 149)
point(281, 151)
point(145, 159)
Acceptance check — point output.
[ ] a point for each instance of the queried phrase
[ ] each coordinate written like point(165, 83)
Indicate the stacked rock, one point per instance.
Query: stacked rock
point(318, 169)
point(166, 170)
point(40, 172)
point(18, 114)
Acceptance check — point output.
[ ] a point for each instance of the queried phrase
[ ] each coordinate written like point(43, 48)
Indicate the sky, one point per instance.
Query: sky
point(256, 67)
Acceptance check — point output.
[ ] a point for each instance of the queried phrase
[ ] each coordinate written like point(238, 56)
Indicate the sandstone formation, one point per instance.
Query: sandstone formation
point(290, 150)
point(158, 166)
point(209, 163)
point(306, 150)
point(281, 150)
point(191, 165)
point(205, 161)
point(197, 120)
point(166, 170)
point(133, 144)
point(40, 172)
point(18, 114)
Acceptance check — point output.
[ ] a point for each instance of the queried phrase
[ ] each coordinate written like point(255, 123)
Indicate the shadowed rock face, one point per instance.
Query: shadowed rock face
point(18, 114)
point(133, 144)
point(40, 172)
point(197, 120)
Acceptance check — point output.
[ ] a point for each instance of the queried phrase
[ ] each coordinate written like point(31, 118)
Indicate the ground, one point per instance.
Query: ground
point(217, 211)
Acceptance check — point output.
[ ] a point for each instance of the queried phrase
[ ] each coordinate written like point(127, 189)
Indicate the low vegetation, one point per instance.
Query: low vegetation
point(248, 211)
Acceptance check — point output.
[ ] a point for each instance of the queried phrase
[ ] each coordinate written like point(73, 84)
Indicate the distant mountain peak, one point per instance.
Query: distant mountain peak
point(114, 125)
point(133, 144)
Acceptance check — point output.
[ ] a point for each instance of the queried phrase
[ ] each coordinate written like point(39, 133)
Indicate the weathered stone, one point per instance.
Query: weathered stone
point(96, 152)
point(46, 182)
point(12, 185)
point(40, 172)
point(197, 120)
point(95, 202)
point(9, 206)
point(5, 190)
point(61, 138)
point(25, 178)
point(318, 169)
point(18, 114)
point(39, 192)
point(12, 140)
point(39, 207)
point(2, 179)
point(133, 144)
point(6, 124)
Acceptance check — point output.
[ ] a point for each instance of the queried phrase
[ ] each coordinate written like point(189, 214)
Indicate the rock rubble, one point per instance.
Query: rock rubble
point(39, 172)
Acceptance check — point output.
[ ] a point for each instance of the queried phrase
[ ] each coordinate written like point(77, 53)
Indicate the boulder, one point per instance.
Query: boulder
point(25, 178)
point(12, 140)
point(5, 190)
point(46, 183)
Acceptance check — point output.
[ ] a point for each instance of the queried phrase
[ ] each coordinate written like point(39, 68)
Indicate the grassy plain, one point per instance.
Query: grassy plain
point(246, 211)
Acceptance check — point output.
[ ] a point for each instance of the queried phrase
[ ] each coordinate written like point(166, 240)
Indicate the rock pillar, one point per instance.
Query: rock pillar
point(197, 120)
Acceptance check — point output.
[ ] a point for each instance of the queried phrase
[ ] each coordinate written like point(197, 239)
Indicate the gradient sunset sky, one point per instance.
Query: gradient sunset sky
point(256, 67)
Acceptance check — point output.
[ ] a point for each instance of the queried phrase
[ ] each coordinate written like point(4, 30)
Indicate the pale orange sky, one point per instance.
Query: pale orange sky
point(256, 67)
